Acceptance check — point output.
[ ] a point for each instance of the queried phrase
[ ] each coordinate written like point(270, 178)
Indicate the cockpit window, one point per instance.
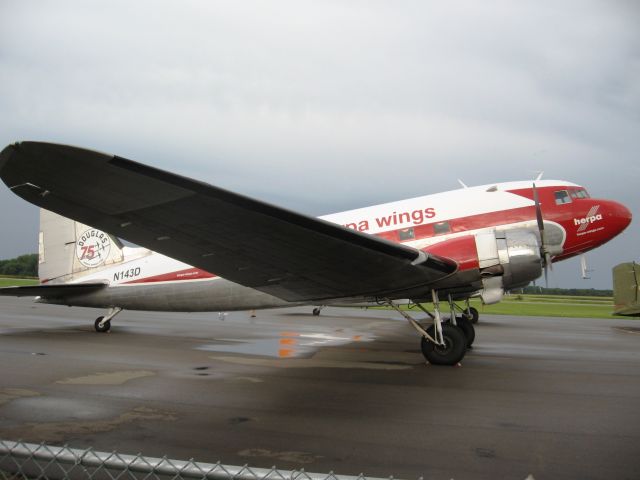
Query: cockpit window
point(582, 193)
point(579, 193)
point(562, 196)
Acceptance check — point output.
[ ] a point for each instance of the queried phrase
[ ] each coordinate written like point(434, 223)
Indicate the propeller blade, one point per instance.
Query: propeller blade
point(536, 200)
point(544, 253)
point(546, 276)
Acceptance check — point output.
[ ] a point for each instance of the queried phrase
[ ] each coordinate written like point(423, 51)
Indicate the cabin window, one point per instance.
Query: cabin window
point(406, 234)
point(441, 227)
point(562, 197)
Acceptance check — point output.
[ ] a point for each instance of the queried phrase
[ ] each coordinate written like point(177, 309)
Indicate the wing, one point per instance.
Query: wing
point(51, 291)
point(291, 256)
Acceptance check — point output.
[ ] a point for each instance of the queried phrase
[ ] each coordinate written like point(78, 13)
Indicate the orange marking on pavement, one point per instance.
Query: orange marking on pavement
point(289, 334)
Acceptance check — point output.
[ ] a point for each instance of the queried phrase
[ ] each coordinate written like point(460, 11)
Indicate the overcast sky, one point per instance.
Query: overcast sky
point(328, 106)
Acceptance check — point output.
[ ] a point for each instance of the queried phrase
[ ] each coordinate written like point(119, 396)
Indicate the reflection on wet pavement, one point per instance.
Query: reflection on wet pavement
point(287, 344)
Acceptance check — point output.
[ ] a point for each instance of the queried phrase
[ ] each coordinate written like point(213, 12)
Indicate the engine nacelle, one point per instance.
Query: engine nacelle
point(490, 262)
point(507, 259)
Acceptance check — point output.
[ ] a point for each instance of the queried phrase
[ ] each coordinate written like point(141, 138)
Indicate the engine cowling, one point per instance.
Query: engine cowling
point(491, 262)
point(512, 254)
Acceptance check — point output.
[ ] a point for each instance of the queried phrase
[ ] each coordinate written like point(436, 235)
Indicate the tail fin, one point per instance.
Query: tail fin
point(68, 250)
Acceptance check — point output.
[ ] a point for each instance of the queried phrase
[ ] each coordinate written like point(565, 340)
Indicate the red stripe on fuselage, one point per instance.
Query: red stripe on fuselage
point(186, 274)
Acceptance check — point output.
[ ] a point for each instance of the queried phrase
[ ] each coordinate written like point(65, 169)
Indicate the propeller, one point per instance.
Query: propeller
point(544, 251)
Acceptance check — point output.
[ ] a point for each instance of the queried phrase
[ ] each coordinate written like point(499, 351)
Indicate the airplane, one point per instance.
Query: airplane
point(626, 289)
point(203, 248)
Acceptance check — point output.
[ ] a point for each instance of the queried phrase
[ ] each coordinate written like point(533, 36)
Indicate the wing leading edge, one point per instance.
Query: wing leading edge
point(286, 254)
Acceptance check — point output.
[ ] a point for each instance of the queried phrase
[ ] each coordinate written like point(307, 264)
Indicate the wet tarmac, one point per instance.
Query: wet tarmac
point(347, 391)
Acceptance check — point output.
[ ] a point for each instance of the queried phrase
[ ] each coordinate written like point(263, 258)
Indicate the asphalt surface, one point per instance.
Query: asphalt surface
point(347, 391)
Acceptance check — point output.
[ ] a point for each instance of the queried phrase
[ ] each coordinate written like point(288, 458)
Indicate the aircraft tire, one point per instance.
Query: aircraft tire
point(104, 328)
point(452, 352)
point(474, 315)
point(467, 327)
point(316, 312)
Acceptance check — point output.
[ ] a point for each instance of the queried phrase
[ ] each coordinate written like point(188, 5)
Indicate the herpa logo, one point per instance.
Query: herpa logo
point(92, 248)
point(591, 217)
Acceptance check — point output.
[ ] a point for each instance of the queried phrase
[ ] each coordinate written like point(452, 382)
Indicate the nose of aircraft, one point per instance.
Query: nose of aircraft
point(619, 215)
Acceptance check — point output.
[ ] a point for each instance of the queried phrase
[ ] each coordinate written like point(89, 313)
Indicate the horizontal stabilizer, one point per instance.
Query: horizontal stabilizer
point(51, 291)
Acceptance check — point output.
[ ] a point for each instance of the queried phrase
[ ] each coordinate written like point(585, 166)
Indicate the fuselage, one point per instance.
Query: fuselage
point(437, 224)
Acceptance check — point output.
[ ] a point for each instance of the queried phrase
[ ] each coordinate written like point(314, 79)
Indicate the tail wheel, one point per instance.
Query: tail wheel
point(467, 327)
point(102, 327)
point(473, 318)
point(454, 348)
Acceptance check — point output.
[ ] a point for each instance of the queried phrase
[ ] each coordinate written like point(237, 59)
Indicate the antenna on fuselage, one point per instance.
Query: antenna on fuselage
point(539, 177)
point(584, 268)
point(464, 185)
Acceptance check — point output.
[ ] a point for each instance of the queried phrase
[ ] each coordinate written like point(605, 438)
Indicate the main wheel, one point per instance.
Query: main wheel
point(454, 348)
point(316, 311)
point(105, 327)
point(467, 327)
point(474, 315)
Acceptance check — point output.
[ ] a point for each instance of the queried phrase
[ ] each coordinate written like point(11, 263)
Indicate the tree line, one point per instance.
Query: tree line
point(573, 292)
point(24, 265)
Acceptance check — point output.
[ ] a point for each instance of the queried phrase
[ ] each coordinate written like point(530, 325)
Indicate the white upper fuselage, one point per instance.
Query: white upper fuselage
point(438, 207)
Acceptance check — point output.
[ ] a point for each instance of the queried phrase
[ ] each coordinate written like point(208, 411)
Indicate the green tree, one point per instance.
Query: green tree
point(24, 265)
point(581, 292)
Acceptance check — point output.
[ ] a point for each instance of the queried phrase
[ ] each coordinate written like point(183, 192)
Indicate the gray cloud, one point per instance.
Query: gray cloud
point(324, 106)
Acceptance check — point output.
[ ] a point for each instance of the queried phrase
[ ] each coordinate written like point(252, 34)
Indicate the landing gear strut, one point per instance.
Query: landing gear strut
point(103, 324)
point(442, 343)
point(463, 321)
point(471, 313)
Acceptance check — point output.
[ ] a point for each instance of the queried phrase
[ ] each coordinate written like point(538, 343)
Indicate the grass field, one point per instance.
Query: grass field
point(542, 306)
point(549, 306)
point(11, 282)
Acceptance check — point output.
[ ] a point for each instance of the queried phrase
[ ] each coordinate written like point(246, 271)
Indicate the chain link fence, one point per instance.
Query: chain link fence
point(20, 460)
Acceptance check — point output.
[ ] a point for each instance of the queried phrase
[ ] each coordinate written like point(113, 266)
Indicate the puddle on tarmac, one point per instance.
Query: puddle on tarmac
point(287, 344)
point(45, 409)
point(9, 394)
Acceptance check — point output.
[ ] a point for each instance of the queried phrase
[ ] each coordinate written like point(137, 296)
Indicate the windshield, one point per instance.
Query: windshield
point(579, 193)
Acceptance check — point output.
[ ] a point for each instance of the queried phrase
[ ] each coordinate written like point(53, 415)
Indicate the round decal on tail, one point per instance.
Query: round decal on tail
point(92, 248)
